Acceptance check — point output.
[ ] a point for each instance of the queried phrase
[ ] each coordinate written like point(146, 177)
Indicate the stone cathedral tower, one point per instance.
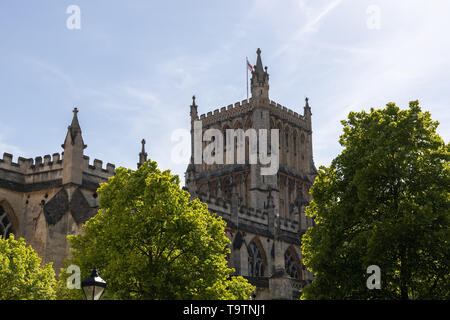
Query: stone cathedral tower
point(264, 213)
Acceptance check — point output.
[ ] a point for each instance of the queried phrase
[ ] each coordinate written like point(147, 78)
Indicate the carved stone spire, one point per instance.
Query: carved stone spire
point(74, 129)
point(194, 114)
point(75, 123)
point(142, 154)
point(307, 108)
point(194, 117)
point(73, 153)
point(260, 79)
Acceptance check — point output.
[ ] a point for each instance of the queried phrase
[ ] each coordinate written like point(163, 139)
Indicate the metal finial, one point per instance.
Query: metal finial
point(94, 273)
point(75, 110)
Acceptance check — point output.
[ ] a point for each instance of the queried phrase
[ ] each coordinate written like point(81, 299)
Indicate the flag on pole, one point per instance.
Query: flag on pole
point(249, 66)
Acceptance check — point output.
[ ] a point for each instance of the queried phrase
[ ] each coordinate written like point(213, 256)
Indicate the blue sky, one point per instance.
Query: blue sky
point(133, 67)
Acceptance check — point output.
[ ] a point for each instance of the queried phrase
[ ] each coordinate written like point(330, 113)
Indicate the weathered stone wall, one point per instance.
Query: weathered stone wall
point(46, 199)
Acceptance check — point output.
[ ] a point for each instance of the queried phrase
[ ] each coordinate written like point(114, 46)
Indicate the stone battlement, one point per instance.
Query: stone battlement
point(40, 165)
point(227, 112)
point(232, 110)
point(248, 216)
point(287, 114)
point(96, 168)
point(30, 165)
point(289, 225)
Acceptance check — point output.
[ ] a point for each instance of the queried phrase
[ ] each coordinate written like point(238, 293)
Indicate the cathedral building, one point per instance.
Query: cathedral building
point(46, 199)
point(264, 213)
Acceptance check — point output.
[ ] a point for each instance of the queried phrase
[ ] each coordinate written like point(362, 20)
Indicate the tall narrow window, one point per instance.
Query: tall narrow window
point(295, 145)
point(303, 150)
point(255, 261)
point(5, 224)
point(287, 140)
point(225, 141)
point(291, 265)
point(280, 145)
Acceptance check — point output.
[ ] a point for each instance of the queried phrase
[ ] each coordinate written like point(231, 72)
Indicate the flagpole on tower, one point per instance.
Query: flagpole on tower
point(246, 68)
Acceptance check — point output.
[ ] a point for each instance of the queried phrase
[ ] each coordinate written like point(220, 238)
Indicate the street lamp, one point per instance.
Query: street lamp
point(94, 286)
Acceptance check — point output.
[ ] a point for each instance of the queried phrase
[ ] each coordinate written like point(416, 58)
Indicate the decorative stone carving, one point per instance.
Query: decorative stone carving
point(79, 207)
point(56, 207)
point(238, 241)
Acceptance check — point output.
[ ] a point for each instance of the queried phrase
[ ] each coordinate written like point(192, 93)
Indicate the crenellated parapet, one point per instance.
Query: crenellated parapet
point(50, 163)
point(287, 115)
point(27, 172)
point(249, 216)
point(244, 107)
point(97, 169)
point(30, 165)
point(225, 113)
point(290, 225)
point(254, 217)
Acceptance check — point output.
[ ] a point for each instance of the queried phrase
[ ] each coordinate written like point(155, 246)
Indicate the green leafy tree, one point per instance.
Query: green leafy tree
point(383, 201)
point(149, 241)
point(21, 275)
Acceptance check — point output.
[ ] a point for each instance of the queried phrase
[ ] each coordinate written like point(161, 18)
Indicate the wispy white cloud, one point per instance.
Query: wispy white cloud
point(314, 20)
point(310, 24)
point(48, 70)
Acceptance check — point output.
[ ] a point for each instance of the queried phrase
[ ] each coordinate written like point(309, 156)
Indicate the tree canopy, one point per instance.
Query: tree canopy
point(148, 241)
point(384, 201)
point(21, 275)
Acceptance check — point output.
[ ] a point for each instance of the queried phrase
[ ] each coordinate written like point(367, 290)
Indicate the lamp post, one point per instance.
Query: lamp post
point(94, 286)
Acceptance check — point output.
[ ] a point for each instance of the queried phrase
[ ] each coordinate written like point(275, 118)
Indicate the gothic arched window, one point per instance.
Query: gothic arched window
point(255, 261)
point(5, 224)
point(281, 155)
point(291, 265)
point(224, 130)
point(238, 144)
point(295, 143)
point(287, 139)
point(303, 146)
